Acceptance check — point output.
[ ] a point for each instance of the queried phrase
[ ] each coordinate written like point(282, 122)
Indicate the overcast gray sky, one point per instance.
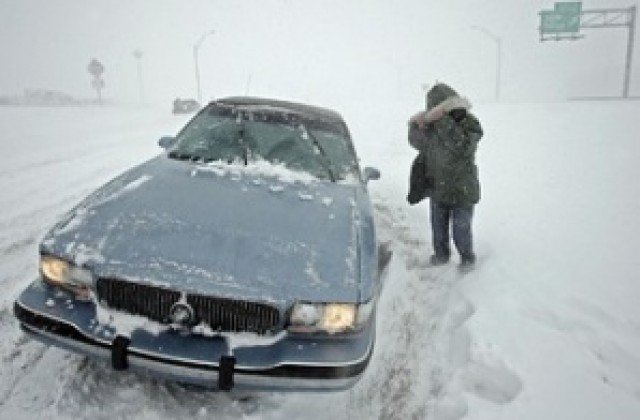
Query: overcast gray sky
point(322, 51)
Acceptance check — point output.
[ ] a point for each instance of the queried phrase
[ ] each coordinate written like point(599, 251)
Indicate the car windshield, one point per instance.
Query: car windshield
point(241, 134)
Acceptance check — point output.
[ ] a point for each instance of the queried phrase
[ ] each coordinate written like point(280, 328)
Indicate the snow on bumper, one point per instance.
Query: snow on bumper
point(292, 363)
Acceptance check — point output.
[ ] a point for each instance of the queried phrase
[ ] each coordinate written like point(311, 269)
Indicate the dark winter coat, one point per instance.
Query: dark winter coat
point(420, 183)
point(450, 136)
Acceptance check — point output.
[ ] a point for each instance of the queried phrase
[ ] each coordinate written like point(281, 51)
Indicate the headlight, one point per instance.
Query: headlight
point(61, 273)
point(54, 270)
point(338, 317)
point(328, 317)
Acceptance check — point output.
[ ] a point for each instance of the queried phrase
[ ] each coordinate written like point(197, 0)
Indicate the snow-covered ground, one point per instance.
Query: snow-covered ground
point(546, 327)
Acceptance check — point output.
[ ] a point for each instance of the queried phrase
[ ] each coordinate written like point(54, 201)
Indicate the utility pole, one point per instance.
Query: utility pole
point(498, 42)
point(196, 47)
point(567, 18)
point(137, 54)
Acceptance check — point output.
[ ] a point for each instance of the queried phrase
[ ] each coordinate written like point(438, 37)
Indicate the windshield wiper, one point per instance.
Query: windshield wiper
point(189, 156)
point(182, 156)
point(323, 159)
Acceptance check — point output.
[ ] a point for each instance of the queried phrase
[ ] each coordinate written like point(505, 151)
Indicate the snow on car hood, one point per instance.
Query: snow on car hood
point(224, 231)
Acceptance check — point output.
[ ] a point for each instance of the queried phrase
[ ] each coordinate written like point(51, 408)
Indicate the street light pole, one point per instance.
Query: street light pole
point(196, 46)
point(137, 54)
point(498, 42)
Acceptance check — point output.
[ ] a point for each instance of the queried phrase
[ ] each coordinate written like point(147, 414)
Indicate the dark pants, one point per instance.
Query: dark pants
point(442, 216)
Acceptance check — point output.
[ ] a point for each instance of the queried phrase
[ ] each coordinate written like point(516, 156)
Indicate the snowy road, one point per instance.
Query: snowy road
point(447, 345)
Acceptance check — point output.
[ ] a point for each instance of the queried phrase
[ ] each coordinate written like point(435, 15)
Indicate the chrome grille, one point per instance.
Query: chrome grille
point(220, 314)
point(234, 315)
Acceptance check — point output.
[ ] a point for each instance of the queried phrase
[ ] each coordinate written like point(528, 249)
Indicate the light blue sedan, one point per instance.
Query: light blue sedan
point(245, 256)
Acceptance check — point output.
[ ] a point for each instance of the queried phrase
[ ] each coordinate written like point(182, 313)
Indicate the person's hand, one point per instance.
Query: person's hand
point(419, 120)
point(435, 114)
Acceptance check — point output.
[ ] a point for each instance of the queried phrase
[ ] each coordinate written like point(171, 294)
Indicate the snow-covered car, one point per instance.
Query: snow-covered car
point(243, 256)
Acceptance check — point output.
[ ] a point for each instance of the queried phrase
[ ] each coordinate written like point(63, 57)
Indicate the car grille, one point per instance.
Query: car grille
point(155, 303)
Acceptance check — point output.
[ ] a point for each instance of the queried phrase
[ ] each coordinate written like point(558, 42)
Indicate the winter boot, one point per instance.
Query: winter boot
point(438, 259)
point(467, 262)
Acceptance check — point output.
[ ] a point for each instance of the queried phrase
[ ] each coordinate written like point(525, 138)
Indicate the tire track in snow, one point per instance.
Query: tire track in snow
point(405, 378)
point(19, 355)
point(97, 391)
point(18, 245)
point(67, 196)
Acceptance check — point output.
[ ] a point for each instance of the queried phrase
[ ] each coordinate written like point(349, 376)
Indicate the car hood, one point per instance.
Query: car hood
point(221, 230)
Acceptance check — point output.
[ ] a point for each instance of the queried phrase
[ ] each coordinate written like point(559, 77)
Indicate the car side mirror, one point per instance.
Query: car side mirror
point(371, 174)
point(166, 142)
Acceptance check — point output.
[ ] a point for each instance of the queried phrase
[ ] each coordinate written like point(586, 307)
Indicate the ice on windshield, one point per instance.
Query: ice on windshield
point(233, 135)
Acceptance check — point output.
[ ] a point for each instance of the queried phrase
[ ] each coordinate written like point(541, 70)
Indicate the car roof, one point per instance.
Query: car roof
point(309, 111)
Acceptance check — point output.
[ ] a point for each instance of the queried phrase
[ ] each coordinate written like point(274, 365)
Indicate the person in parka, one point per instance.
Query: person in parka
point(448, 141)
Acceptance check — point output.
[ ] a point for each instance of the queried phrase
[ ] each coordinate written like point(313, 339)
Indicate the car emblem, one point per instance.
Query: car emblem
point(181, 313)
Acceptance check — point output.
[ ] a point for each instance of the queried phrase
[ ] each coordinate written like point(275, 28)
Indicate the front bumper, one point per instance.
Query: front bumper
point(293, 363)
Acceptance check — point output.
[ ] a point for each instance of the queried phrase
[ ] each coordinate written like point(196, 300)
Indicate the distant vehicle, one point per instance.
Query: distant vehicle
point(246, 255)
point(185, 106)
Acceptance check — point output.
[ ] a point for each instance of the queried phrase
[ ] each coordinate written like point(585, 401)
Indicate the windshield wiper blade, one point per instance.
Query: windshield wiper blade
point(323, 159)
point(189, 156)
point(181, 155)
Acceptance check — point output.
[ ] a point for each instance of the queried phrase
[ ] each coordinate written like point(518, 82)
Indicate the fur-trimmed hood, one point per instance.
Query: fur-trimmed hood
point(438, 111)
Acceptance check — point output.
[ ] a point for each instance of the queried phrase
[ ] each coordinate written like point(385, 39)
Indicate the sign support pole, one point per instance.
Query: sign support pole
point(630, 42)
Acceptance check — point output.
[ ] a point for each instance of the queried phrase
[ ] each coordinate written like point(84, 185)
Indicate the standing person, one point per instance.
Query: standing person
point(448, 139)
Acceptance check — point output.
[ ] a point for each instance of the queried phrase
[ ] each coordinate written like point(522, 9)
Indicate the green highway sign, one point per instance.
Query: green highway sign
point(568, 7)
point(564, 18)
point(552, 22)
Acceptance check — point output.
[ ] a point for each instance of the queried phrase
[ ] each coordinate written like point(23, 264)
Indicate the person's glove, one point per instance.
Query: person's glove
point(458, 114)
point(418, 120)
